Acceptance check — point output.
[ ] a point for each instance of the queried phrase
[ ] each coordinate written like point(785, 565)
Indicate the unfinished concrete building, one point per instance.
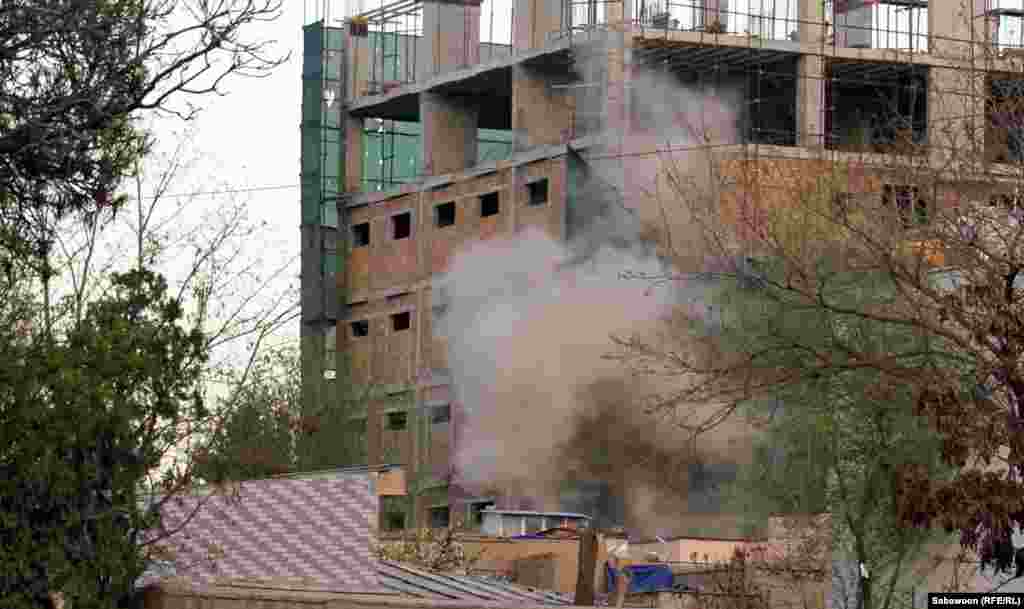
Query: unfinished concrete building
point(430, 124)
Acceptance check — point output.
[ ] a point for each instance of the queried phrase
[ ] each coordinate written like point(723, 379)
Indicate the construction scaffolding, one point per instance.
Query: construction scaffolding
point(393, 152)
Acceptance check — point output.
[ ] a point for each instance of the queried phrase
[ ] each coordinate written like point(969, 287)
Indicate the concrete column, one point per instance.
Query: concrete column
point(952, 27)
point(449, 133)
point(956, 111)
point(374, 430)
point(451, 32)
point(810, 101)
point(353, 142)
point(357, 65)
point(534, 21)
point(810, 84)
point(716, 10)
point(811, 26)
point(540, 114)
point(620, 61)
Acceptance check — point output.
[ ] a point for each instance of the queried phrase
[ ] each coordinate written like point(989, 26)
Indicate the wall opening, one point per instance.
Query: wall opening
point(907, 202)
point(444, 214)
point(1004, 110)
point(360, 328)
point(538, 192)
point(396, 421)
point(401, 321)
point(440, 517)
point(393, 510)
point(489, 204)
point(441, 414)
point(401, 225)
point(875, 106)
point(760, 84)
point(361, 234)
point(878, 25)
point(476, 512)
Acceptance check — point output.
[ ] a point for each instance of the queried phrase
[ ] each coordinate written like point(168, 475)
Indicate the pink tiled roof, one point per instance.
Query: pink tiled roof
point(319, 529)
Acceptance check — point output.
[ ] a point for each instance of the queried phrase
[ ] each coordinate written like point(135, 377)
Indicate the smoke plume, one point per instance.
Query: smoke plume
point(527, 321)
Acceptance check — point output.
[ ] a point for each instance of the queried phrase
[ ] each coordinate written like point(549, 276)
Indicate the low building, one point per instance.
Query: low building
point(303, 540)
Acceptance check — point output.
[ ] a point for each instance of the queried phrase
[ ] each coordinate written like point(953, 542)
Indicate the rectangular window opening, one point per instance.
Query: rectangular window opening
point(441, 414)
point(360, 328)
point(401, 225)
point(476, 512)
point(392, 512)
point(444, 214)
point(908, 203)
point(396, 421)
point(489, 205)
point(1005, 115)
point(440, 517)
point(401, 321)
point(538, 192)
point(361, 234)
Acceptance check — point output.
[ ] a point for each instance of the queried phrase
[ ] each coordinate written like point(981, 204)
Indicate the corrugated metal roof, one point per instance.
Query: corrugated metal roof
point(318, 527)
point(491, 510)
point(420, 583)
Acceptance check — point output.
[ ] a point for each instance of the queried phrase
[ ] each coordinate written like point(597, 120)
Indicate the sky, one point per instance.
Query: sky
point(249, 139)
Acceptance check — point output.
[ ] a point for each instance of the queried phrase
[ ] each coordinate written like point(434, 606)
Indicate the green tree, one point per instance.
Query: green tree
point(84, 423)
point(831, 443)
point(264, 430)
point(924, 249)
point(95, 411)
point(75, 74)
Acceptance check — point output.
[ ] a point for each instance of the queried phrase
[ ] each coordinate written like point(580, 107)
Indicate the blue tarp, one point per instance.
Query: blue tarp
point(643, 578)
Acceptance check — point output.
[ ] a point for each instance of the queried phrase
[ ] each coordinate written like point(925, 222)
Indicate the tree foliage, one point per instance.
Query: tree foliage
point(95, 412)
point(83, 423)
point(76, 79)
point(265, 430)
point(893, 280)
point(75, 74)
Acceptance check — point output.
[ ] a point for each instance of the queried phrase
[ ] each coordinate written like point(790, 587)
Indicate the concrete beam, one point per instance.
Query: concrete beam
point(449, 133)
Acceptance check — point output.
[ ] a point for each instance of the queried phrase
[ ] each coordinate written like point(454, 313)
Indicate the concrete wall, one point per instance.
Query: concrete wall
point(561, 556)
point(391, 276)
point(541, 114)
point(449, 133)
point(690, 550)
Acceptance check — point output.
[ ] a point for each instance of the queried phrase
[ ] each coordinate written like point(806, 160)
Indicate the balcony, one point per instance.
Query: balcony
point(758, 19)
point(878, 24)
point(1005, 23)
